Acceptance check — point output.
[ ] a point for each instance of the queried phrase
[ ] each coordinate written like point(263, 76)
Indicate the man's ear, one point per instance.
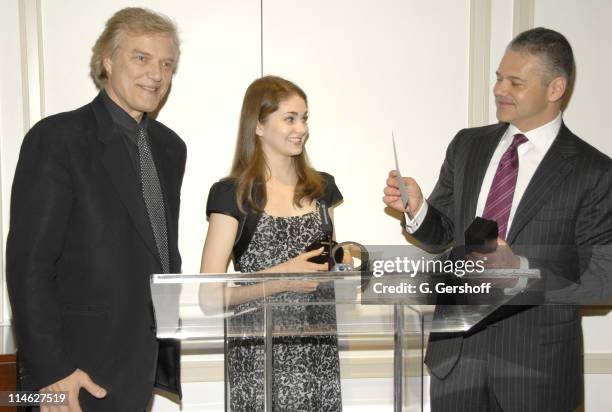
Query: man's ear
point(259, 129)
point(107, 62)
point(557, 88)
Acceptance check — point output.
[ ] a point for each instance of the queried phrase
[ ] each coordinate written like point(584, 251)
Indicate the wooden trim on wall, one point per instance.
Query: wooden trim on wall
point(8, 377)
point(8, 373)
point(31, 62)
point(523, 15)
point(598, 363)
point(480, 41)
point(362, 363)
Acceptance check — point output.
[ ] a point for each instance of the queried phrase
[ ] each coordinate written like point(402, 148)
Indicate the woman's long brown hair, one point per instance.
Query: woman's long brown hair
point(261, 99)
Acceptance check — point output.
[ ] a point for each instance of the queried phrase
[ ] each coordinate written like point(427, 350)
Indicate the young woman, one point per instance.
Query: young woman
point(264, 215)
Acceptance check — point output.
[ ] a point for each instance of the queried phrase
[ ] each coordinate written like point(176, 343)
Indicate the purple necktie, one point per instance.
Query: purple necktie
point(499, 200)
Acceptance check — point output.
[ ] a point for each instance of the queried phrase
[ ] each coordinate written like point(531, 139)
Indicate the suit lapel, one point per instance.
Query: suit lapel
point(480, 152)
point(118, 165)
point(552, 170)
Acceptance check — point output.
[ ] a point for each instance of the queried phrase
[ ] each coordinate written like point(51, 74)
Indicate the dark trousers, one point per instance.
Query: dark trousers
point(466, 387)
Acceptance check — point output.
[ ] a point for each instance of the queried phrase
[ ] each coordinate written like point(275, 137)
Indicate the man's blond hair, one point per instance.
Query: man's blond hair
point(133, 20)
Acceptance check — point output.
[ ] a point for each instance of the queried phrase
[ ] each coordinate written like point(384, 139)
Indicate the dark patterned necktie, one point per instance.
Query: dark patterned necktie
point(153, 198)
point(499, 200)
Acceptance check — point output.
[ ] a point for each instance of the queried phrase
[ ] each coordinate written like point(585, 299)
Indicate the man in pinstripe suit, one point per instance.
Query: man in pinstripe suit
point(558, 201)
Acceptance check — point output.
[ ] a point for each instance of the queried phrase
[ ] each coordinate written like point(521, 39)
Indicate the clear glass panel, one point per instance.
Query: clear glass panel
point(256, 326)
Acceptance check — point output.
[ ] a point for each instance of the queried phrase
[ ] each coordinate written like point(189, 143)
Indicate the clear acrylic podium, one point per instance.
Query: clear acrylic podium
point(377, 336)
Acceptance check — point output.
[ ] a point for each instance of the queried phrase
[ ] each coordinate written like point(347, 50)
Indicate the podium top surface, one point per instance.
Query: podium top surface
point(217, 306)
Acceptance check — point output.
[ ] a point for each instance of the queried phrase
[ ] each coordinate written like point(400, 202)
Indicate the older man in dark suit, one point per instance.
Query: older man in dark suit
point(94, 212)
point(545, 187)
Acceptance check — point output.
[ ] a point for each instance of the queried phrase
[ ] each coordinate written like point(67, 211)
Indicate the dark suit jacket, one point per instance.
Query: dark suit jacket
point(535, 352)
point(79, 255)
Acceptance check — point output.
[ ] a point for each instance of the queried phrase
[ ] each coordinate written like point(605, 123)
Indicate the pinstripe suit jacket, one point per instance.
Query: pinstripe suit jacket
point(534, 353)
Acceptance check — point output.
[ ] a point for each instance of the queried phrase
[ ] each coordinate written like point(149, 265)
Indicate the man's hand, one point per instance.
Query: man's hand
point(501, 258)
point(72, 384)
point(393, 199)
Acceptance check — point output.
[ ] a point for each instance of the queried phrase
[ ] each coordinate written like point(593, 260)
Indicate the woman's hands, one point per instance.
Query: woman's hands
point(298, 264)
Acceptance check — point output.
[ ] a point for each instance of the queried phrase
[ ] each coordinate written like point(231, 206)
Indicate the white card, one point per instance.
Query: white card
point(400, 179)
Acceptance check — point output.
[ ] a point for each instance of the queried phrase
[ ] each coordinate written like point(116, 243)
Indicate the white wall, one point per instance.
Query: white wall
point(12, 125)
point(587, 27)
point(367, 67)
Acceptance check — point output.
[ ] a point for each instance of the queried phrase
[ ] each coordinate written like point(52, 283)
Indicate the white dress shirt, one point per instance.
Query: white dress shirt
point(530, 155)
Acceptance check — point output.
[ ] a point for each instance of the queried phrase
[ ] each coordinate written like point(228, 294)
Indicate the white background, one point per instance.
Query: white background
point(368, 68)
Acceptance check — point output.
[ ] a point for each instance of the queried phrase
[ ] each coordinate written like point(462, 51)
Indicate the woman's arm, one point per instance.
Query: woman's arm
point(222, 230)
point(220, 238)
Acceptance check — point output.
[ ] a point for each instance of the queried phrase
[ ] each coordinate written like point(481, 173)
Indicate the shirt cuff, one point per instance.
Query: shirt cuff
point(412, 225)
point(524, 263)
point(521, 284)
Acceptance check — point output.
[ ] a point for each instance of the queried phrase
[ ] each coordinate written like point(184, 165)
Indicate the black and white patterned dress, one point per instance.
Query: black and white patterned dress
point(306, 369)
